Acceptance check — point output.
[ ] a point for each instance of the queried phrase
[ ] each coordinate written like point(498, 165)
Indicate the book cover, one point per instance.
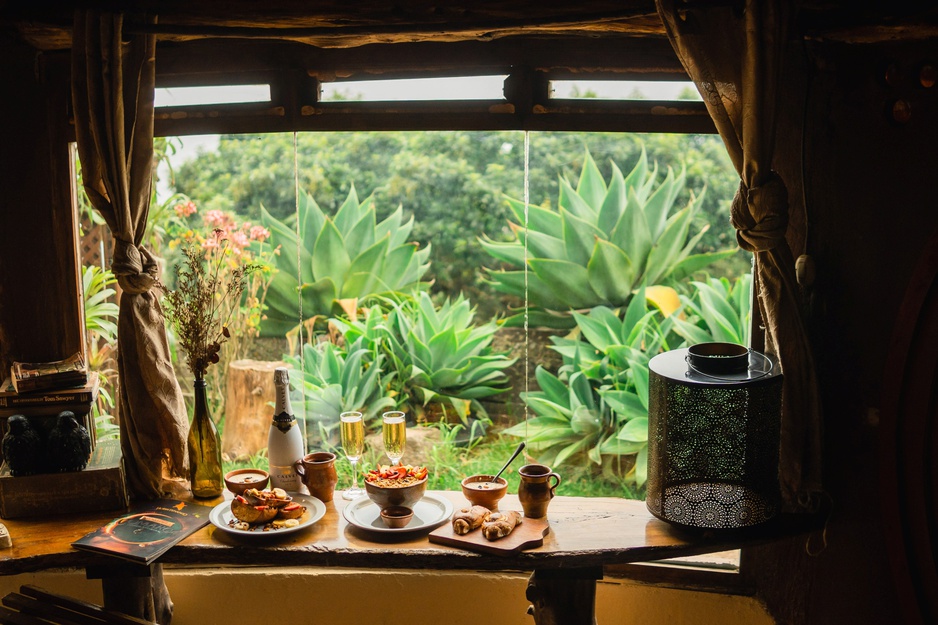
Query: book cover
point(86, 394)
point(35, 376)
point(147, 531)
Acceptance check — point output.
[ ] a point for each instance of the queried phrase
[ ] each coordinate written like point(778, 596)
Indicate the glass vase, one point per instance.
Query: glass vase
point(205, 474)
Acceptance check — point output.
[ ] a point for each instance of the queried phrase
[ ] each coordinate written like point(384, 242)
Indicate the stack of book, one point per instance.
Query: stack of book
point(42, 407)
point(29, 377)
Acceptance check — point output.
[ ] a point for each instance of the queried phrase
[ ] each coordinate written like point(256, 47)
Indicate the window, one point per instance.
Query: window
point(472, 169)
point(221, 94)
point(417, 89)
point(624, 89)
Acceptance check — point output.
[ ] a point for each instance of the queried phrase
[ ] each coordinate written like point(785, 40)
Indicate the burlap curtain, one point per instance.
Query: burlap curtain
point(113, 82)
point(735, 60)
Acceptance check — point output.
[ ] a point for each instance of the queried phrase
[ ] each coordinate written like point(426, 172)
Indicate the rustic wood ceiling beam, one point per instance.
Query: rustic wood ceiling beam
point(598, 24)
point(197, 61)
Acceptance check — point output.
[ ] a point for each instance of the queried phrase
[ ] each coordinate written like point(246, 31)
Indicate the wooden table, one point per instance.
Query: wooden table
point(586, 535)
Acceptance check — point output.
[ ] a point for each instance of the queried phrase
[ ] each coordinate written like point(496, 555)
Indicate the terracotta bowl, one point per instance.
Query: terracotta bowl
point(240, 480)
point(397, 516)
point(479, 490)
point(387, 497)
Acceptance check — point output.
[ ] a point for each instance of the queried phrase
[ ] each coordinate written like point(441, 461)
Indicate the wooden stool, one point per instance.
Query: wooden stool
point(36, 606)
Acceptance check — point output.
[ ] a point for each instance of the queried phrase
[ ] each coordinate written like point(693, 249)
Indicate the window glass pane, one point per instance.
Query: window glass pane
point(401, 261)
point(624, 89)
point(416, 89)
point(225, 94)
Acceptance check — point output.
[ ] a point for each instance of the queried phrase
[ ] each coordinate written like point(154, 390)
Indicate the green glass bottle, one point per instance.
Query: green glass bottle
point(205, 474)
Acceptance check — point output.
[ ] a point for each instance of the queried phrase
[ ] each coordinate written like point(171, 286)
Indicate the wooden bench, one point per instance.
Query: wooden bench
point(36, 606)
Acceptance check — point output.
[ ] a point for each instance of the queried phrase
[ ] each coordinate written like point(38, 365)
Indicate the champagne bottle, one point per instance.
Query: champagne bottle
point(205, 475)
point(284, 441)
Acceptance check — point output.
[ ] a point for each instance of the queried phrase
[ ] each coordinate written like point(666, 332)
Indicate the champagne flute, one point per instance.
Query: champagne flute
point(353, 445)
point(395, 435)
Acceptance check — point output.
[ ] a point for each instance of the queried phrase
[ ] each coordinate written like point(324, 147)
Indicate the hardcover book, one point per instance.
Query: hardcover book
point(36, 376)
point(147, 531)
point(53, 398)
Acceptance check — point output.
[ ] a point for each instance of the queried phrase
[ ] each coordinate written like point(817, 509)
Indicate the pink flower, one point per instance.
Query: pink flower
point(210, 243)
point(216, 218)
point(239, 239)
point(184, 210)
point(259, 233)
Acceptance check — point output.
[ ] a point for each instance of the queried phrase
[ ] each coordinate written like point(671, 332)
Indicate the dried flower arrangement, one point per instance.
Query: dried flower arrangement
point(198, 302)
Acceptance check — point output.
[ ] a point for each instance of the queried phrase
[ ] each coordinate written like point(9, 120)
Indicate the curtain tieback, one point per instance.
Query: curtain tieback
point(760, 214)
point(135, 268)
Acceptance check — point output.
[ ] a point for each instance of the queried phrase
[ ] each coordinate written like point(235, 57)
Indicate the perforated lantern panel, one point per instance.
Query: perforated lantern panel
point(713, 443)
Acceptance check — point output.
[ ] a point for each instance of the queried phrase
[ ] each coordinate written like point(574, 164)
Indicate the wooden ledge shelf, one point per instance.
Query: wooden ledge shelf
point(586, 535)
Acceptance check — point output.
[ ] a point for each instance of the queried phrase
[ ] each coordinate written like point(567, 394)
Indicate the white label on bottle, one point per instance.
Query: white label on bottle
point(285, 478)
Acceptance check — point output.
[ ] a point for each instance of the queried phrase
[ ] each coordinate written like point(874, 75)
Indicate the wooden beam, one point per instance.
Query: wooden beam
point(186, 63)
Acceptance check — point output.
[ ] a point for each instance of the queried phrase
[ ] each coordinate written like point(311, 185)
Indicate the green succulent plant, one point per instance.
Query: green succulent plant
point(342, 260)
point(718, 310)
point(335, 380)
point(597, 405)
point(600, 244)
point(439, 355)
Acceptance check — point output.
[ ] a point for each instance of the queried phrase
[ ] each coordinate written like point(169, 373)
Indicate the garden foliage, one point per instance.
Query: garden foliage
point(439, 355)
point(600, 244)
point(329, 263)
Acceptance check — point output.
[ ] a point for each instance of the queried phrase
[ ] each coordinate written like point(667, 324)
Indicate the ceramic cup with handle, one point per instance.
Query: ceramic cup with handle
point(317, 471)
point(537, 487)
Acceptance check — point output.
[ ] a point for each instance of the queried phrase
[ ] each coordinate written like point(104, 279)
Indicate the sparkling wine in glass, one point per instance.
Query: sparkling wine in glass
point(395, 435)
point(353, 445)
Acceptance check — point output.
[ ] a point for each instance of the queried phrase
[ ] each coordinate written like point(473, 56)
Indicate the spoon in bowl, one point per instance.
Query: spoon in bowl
point(510, 460)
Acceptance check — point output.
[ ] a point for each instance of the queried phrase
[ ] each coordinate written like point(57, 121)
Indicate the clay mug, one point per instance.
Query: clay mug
point(536, 489)
point(317, 471)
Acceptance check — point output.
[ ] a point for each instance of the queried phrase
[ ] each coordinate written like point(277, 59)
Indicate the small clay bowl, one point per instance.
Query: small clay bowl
point(397, 517)
point(479, 490)
point(240, 480)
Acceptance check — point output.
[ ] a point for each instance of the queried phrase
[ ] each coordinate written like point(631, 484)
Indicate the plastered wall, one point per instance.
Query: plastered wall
point(355, 597)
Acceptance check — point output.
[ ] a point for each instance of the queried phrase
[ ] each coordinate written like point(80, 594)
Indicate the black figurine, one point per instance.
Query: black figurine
point(69, 444)
point(22, 447)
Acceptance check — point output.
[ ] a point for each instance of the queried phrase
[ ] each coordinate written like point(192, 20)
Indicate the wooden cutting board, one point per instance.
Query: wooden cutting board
point(528, 535)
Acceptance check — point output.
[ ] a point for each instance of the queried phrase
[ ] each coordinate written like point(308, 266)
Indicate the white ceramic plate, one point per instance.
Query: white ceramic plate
point(315, 509)
point(430, 512)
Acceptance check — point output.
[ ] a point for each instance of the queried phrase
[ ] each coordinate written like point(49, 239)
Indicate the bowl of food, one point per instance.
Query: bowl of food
point(480, 490)
point(240, 480)
point(398, 485)
point(397, 517)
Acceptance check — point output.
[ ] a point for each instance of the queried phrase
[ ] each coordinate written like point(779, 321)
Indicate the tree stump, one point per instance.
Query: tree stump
point(247, 407)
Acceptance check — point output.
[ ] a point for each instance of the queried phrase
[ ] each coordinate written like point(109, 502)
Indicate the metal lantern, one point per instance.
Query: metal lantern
point(714, 414)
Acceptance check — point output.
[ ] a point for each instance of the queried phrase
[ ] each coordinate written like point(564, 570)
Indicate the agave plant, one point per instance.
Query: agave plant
point(334, 381)
point(598, 404)
point(437, 352)
point(718, 311)
point(342, 259)
point(600, 244)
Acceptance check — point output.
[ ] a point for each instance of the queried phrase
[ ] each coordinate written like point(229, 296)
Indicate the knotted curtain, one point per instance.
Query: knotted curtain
point(113, 79)
point(735, 59)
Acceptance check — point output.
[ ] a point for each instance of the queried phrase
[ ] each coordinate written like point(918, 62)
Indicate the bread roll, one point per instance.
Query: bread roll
point(468, 519)
point(499, 524)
